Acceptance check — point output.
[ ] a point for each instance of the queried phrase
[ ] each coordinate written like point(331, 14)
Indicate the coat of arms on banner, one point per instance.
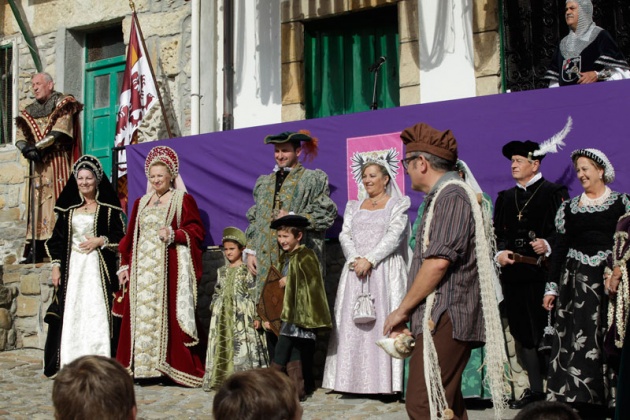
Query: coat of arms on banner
point(387, 149)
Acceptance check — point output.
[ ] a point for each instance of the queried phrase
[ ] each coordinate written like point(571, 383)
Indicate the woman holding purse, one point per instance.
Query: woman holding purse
point(374, 241)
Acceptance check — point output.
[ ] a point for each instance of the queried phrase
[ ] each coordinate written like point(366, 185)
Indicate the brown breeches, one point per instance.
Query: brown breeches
point(453, 356)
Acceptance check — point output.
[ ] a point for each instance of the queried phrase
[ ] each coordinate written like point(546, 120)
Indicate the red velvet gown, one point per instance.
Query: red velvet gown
point(160, 332)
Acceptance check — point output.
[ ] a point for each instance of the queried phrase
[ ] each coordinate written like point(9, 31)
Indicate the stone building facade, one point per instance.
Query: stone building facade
point(486, 45)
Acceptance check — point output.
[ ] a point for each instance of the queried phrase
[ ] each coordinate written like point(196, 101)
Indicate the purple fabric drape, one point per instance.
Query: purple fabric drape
point(220, 169)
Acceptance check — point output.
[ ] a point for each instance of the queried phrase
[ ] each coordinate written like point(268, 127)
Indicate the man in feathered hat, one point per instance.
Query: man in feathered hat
point(524, 225)
point(588, 54)
point(289, 188)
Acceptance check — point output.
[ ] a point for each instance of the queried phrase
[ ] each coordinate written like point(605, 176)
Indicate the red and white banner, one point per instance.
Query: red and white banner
point(138, 95)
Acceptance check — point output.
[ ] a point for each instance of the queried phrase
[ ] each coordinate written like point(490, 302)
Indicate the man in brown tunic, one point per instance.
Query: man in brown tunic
point(47, 135)
point(448, 277)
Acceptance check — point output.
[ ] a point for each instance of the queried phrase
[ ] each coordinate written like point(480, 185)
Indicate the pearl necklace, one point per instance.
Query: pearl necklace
point(598, 201)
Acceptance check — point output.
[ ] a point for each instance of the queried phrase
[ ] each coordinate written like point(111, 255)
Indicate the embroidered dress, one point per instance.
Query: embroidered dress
point(85, 316)
point(354, 363)
point(233, 343)
point(159, 333)
point(149, 323)
point(578, 370)
point(304, 192)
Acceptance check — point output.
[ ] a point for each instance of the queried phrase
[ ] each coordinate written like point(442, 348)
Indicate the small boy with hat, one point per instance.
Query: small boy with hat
point(233, 342)
point(305, 307)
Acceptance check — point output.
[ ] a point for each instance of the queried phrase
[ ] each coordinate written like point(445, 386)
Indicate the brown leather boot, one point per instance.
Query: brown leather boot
point(294, 370)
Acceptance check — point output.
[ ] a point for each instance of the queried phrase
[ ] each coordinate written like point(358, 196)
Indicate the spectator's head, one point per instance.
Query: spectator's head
point(259, 394)
point(547, 410)
point(94, 387)
point(43, 86)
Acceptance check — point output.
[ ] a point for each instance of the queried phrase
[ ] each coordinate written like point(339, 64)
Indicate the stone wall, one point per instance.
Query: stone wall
point(25, 293)
point(13, 170)
point(487, 46)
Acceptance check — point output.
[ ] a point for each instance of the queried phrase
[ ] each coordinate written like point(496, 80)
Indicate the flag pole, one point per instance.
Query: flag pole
point(157, 88)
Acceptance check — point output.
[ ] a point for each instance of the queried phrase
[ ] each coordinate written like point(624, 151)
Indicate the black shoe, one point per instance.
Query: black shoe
point(528, 397)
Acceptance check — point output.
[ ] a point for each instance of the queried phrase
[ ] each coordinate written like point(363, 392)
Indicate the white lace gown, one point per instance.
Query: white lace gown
point(355, 364)
point(85, 319)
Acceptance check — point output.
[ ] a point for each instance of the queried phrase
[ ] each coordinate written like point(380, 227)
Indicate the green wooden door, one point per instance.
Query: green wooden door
point(103, 81)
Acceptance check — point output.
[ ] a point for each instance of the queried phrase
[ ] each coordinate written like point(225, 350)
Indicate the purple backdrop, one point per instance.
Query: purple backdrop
point(220, 169)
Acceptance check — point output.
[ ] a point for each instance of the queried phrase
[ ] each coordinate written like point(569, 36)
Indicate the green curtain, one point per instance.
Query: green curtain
point(337, 55)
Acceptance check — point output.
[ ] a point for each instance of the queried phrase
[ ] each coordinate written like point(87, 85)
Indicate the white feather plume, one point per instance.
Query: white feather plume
point(553, 144)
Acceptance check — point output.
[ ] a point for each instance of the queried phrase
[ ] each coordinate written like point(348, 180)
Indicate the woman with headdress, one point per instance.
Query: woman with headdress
point(579, 373)
point(161, 259)
point(82, 249)
point(588, 54)
point(374, 241)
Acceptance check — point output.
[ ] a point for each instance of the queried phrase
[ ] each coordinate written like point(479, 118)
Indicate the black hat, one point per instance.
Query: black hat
point(288, 136)
point(522, 148)
point(291, 220)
